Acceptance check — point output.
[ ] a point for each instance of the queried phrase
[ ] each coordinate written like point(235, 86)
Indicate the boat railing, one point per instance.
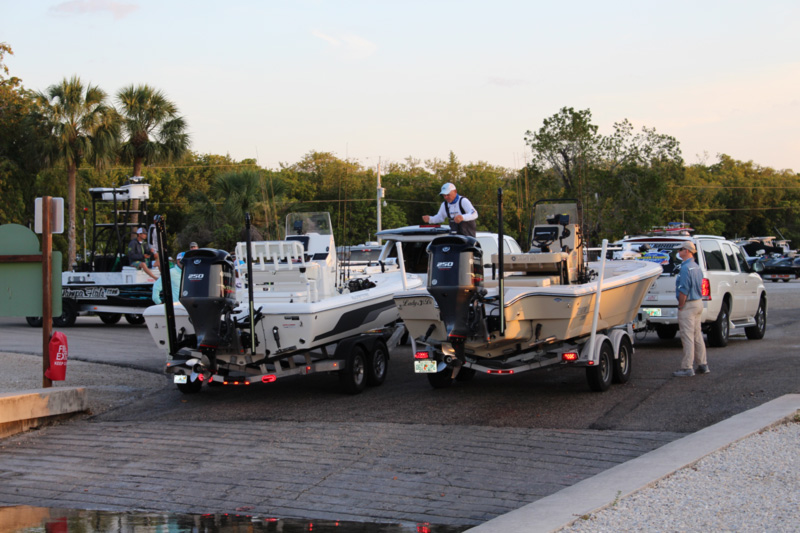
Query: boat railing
point(272, 255)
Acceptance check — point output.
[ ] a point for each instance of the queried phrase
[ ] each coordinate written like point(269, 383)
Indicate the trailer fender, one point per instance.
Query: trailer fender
point(366, 341)
point(616, 337)
point(595, 355)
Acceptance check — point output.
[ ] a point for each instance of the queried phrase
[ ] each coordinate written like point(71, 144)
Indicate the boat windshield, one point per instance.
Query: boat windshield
point(556, 214)
point(303, 223)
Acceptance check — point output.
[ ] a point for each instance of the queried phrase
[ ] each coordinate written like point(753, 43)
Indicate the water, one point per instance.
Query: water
point(26, 519)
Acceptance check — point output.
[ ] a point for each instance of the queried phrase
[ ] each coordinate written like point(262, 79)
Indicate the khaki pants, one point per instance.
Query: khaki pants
point(694, 349)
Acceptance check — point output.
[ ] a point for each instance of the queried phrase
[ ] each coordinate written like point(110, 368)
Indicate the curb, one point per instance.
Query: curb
point(590, 495)
point(23, 410)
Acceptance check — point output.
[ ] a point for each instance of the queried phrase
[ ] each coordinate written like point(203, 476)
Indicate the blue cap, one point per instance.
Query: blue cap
point(180, 256)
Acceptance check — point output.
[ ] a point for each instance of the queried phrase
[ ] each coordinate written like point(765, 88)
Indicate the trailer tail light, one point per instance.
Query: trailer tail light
point(569, 356)
point(705, 289)
point(269, 378)
point(420, 355)
point(499, 371)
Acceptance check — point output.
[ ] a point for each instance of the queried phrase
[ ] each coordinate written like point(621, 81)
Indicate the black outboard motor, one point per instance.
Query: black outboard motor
point(208, 294)
point(455, 280)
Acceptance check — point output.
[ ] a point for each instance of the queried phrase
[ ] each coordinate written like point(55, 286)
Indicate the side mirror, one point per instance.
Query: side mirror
point(758, 266)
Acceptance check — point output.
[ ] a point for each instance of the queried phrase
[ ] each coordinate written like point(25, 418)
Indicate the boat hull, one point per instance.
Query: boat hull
point(537, 315)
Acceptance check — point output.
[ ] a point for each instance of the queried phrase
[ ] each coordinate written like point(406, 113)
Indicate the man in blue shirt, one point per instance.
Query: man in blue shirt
point(175, 274)
point(458, 209)
point(688, 286)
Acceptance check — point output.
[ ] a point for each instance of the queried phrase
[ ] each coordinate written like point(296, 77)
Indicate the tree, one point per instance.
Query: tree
point(153, 130)
point(79, 126)
point(567, 142)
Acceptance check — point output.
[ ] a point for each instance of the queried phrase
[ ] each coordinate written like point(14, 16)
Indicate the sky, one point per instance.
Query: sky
point(387, 80)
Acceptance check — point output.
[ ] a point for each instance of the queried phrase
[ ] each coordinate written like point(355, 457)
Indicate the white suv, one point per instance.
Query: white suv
point(733, 292)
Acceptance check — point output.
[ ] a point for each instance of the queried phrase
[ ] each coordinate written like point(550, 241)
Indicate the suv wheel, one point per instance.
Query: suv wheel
point(721, 328)
point(666, 331)
point(757, 332)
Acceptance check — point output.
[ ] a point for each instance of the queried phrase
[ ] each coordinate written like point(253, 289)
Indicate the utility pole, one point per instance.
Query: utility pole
point(381, 192)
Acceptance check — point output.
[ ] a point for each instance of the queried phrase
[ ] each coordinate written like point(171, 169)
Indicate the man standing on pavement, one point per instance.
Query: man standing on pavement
point(458, 209)
point(688, 286)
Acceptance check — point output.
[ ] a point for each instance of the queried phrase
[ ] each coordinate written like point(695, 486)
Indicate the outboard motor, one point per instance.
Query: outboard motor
point(208, 294)
point(455, 280)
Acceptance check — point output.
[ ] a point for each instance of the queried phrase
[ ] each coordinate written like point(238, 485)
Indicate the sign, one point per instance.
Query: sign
point(21, 282)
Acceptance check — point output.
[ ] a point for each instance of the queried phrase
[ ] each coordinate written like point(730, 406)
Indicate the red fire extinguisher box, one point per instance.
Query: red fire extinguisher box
point(58, 357)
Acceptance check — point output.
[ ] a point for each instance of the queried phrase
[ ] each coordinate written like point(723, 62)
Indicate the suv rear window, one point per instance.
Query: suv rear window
point(713, 255)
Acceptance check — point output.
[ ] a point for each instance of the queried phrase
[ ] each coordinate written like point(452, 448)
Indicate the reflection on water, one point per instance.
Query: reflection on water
point(27, 519)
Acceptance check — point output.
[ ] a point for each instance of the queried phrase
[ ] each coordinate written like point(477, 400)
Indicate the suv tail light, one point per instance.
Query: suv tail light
point(705, 289)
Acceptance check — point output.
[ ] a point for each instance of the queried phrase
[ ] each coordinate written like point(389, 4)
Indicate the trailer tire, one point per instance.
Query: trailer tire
point(69, 314)
point(190, 387)
point(623, 362)
point(109, 318)
point(377, 364)
point(353, 378)
point(134, 320)
point(34, 321)
point(441, 380)
point(600, 376)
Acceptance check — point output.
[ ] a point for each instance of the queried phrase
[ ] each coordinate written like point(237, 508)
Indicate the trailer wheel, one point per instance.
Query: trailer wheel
point(34, 321)
point(109, 318)
point(68, 315)
point(190, 387)
point(353, 377)
point(441, 380)
point(623, 362)
point(134, 319)
point(599, 376)
point(378, 364)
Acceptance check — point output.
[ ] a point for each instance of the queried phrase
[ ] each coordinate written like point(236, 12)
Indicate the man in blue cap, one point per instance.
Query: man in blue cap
point(175, 274)
point(458, 209)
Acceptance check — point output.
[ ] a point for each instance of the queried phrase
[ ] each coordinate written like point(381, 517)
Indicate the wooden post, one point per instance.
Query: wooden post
point(47, 296)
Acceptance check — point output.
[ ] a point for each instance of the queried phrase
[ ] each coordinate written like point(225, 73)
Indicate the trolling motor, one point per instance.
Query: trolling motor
point(455, 280)
point(208, 294)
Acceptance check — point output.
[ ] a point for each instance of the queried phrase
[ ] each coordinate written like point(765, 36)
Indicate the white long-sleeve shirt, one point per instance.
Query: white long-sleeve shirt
point(453, 207)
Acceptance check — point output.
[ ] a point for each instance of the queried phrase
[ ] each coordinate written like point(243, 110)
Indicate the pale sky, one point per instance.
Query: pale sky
point(274, 80)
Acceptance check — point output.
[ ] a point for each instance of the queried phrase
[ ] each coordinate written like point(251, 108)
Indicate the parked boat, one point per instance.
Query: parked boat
point(300, 300)
point(550, 296)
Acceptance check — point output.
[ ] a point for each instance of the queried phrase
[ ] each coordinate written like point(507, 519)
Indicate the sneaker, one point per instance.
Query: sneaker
point(703, 369)
point(683, 373)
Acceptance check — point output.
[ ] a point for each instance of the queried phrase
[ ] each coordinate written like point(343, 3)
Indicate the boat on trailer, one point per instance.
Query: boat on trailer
point(552, 307)
point(298, 311)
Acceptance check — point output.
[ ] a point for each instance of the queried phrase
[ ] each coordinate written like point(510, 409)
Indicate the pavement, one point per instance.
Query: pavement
point(383, 471)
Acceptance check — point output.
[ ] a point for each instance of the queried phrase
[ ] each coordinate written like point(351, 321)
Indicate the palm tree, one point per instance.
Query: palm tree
point(79, 126)
point(153, 131)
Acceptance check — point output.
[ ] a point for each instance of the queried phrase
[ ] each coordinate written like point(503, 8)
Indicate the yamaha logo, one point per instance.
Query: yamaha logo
point(446, 249)
point(197, 261)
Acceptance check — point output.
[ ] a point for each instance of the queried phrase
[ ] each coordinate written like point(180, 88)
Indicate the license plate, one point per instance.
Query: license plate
point(651, 311)
point(180, 379)
point(425, 365)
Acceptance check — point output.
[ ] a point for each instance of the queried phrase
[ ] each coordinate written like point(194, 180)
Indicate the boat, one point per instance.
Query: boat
point(547, 298)
point(301, 300)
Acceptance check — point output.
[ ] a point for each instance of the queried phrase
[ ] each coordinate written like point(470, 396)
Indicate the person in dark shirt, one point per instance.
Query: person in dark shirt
point(139, 253)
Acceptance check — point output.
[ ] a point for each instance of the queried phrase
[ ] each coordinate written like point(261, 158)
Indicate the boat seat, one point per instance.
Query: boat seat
point(524, 281)
point(298, 281)
point(549, 262)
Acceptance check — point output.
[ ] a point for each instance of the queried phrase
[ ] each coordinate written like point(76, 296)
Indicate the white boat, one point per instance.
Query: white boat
point(302, 300)
point(550, 296)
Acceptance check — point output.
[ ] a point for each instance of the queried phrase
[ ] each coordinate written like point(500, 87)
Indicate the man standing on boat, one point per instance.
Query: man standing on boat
point(458, 209)
point(690, 306)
